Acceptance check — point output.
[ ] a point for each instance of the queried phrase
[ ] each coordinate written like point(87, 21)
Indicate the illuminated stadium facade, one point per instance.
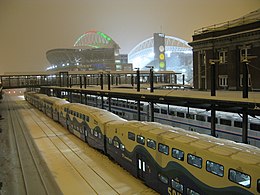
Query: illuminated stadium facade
point(93, 50)
point(178, 56)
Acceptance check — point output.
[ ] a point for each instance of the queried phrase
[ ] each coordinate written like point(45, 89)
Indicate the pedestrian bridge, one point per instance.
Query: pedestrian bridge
point(69, 78)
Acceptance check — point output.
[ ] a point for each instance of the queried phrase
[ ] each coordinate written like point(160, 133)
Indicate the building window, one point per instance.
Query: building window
point(222, 57)
point(244, 52)
point(241, 80)
point(223, 80)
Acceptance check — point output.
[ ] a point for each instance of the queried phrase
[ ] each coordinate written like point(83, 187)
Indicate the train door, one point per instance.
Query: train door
point(85, 133)
point(142, 167)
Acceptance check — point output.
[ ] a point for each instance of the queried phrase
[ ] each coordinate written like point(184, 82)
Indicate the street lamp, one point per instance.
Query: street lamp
point(138, 79)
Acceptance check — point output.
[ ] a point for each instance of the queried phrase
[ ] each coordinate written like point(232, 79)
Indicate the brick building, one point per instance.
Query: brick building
point(229, 45)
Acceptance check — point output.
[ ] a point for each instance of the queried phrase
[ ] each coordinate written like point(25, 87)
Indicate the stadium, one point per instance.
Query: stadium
point(95, 50)
point(178, 56)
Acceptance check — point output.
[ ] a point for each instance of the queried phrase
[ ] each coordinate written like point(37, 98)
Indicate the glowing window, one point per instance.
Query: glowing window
point(195, 160)
point(151, 143)
point(239, 178)
point(178, 154)
point(215, 168)
point(163, 149)
point(140, 139)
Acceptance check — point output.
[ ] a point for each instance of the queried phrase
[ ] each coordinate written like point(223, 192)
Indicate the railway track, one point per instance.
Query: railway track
point(33, 177)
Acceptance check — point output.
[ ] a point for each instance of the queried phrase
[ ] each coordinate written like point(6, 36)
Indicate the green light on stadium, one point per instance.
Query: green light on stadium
point(104, 36)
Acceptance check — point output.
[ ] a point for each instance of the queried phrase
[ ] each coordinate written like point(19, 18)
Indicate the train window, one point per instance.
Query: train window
point(209, 119)
point(200, 118)
point(163, 179)
point(110, 141)
point(131, 136)
point(99, 135)
point(95, 133)
point(191, 192)
point(258, 185)
point(195, 160)
point(215, 168)
point(163, 111)
point(177, 186)
point(225, 122)
point(122, 147)
point(140, 139)
point(156, 110)
point(116, 144)
point(254, 126)
point(238, 124)
point(87, 118)
point(239, 178)
point(151, 143)
point(180, 114)
point(178, 154)
point(163, 148)
point(171, 112)
point(190, 116)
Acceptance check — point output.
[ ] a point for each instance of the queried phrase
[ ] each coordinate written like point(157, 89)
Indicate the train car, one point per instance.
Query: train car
point(88, 123)
point(168, 159)
point(172, 161)
point(36, 99)
point(52, 106)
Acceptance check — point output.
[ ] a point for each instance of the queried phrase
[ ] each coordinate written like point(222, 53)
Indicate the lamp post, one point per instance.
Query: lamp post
point(138, 79)
point(213, 76)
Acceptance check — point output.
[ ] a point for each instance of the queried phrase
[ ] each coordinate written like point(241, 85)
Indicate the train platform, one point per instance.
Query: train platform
point(227, 101)
point(74, 167)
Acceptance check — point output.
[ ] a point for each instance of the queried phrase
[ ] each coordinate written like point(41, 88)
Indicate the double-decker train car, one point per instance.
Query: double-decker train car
point(173, 161)
point(52, 107)
point(88, 123)
point(168, 159)
point(35, 99)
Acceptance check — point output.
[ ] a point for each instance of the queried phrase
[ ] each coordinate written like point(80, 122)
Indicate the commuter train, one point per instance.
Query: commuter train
point(228, 125)
point(168, 159)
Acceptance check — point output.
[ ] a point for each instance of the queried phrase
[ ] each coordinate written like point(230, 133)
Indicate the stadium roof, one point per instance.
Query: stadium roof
point(92, 47)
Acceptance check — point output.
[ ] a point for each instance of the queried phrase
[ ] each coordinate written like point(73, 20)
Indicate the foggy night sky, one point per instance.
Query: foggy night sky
point(29, 28)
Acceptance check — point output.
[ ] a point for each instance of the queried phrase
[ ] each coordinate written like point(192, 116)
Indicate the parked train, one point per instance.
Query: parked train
point(168, 159)
point(228, 125)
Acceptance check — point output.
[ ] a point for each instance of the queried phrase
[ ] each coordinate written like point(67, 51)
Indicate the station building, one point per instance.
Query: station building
point(228, 46)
